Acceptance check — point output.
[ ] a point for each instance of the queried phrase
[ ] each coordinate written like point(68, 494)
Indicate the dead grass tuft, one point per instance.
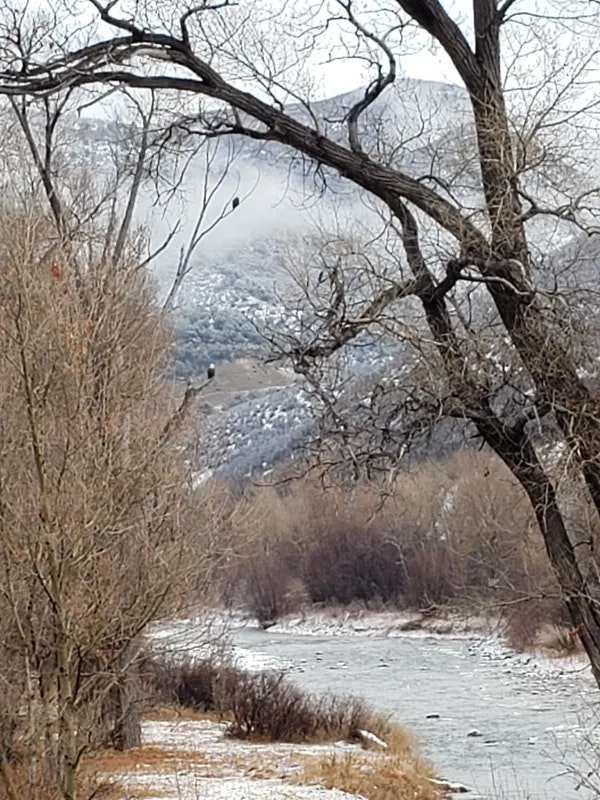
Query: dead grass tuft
point(398, 777)
point(399, 773)
point(399, 741)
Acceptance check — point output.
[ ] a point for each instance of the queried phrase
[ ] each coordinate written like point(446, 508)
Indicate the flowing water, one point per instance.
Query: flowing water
point(528, 726)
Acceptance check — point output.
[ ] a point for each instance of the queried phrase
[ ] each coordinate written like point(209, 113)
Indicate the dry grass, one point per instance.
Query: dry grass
point(395, 777)
point(399, 741)
point(398, 773)
point(144, 758)
point(117, 790)
point(98, 768)
point(89, 784)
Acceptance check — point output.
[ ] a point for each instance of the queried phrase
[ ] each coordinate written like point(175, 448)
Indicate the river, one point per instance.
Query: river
point(529, 726)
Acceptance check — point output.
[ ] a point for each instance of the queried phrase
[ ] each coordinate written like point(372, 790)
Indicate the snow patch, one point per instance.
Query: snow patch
point(391, 624)
point(199, 637)
point(219, 768)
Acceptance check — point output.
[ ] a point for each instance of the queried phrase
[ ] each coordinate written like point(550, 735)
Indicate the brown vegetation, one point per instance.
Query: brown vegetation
point(502, 374)
point(263, 706)
point(387, 778)
point(375, 771)
point(454, 534)
point(93, 500)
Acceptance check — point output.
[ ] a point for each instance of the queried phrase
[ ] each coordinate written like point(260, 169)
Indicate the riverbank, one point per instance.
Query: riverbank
point(527, 709)
point(185, 756)
point(348, 621)
point(485, 637)
point(503, 727)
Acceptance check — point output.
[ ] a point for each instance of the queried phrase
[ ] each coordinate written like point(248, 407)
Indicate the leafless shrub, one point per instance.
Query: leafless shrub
point(431, 579)
point(347, 562)
point(266, 586)
point(528, 621)
point(188, 684)
point(457, 532)
point(267, 706)
point(92, 489)
point(264, 705)
point(559, 640)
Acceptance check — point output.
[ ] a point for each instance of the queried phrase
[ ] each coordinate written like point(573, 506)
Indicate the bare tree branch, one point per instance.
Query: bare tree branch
point(376, 88)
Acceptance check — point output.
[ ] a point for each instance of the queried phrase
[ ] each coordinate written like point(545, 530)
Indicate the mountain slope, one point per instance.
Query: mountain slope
point(241, 284)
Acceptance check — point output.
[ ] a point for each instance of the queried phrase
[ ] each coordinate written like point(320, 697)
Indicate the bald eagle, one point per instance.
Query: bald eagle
point(210, 372)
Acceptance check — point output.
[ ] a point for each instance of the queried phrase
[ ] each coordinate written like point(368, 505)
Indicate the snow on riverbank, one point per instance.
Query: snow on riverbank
point(195, 637)
point(494, 649)
point(201, 636)
point(199, 761)
point(344, 622)
point(484, 635)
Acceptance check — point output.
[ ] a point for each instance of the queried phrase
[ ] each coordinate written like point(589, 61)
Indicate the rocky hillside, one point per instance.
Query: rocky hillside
point(241, 283)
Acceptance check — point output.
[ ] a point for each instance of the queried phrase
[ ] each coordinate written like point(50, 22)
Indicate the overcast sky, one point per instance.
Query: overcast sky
point(343, 77)
point(429, 63)
point(347, 74)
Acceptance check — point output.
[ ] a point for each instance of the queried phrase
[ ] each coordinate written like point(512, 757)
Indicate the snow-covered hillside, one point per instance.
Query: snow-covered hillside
point(240, 282)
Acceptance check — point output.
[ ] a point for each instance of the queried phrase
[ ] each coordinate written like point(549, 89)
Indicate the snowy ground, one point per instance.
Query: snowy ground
point(344, 622)
point(201, 763)
point(196, 637)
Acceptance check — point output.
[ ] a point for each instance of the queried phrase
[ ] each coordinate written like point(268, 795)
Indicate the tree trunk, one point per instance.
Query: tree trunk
point(512, 446)
point(127, 729)
point(582, 606)
point(538, 343)
point(122, 708)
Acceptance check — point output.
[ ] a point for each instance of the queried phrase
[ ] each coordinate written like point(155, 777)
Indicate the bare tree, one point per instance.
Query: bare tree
point(94, 490)
point(91, 493)
point(215, 50)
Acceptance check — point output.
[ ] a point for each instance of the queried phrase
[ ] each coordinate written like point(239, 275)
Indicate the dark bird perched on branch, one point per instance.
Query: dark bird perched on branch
point(235, 202)
point(210, 372)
